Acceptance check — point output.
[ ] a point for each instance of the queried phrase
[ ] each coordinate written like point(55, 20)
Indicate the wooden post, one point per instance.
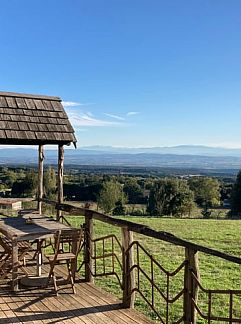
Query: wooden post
point(60, 179)
point(88, 248)
point(190, 285)
point(40, 176)
point(128, 275)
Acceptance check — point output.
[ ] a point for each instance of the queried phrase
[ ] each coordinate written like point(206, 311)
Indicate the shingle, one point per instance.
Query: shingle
point(43, 127)
point(33, 126)
point(30, 103)
point(40, 135)
point(2, 134)
point(57, 106)
point(3, 102)
point(30, 135)
point(28, 112)
point(11, 102)
point(2, 124)
point(12, 125)
point(47, 104)
point(39, 104)
point(23, 126)
point(21, 103)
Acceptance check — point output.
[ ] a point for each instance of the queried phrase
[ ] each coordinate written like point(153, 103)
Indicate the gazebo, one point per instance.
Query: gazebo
point(27, 119)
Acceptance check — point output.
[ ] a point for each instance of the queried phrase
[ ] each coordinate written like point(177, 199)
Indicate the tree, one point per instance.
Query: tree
point(119, 208)
point(170, 197)
point(50, 183)
point(10, 177)
point(236, 196)
point(110, 194)
point(133, 190)
point(206, 191)
point(27, 187)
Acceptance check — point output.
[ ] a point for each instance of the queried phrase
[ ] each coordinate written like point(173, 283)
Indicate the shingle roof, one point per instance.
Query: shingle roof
point(33, 119)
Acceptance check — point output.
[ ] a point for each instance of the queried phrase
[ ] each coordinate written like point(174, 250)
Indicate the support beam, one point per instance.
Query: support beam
point(128, 271)
point(60, 179)
point(40, 176)
point(89, 269)
point(190, 286)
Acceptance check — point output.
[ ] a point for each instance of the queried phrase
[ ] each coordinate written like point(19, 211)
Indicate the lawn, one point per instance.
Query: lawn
point(223, 235)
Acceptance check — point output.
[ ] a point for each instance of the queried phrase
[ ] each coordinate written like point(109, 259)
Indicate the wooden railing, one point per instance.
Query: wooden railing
point(123, 262)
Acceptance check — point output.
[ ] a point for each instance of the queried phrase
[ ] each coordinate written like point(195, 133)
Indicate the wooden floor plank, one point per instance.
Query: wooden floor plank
point(88, 298)
point(90, 305)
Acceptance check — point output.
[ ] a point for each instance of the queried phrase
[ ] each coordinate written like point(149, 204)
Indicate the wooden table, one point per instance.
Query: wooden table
point(17, 230)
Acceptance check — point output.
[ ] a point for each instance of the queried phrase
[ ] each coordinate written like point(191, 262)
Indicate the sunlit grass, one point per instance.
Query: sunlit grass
point(223, 235)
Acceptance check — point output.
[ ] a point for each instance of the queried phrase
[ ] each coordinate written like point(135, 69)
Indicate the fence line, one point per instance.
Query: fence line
point(132, 270)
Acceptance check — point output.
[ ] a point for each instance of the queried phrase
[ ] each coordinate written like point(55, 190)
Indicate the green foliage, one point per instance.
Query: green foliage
point(236, 196)
point(206, 191)
point(110, 194)
point(170, 197)
point(206, 213)
point(50, 183)
point(27, 187)
point(133, 190)
point(119, 208)
point(10, 177)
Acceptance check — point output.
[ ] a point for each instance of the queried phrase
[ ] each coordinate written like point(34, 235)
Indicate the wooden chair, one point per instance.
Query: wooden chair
point(66, 249)
point(24, 247)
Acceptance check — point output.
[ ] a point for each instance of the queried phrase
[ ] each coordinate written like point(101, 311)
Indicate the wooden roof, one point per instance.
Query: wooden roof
point(33, 119)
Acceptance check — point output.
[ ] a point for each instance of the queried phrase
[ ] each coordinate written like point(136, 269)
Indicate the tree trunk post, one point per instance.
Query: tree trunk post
point(89, 270)
point(190, 286)
point(60, 178)
point(40, 176)
point(128, 271)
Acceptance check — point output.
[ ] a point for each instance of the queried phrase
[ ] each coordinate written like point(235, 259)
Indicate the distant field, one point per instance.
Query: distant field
point(223, 235)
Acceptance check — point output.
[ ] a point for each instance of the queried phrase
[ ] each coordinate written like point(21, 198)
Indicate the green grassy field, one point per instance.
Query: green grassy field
point(223, 235)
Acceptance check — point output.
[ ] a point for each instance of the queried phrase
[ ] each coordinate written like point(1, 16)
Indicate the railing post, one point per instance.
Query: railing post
point(128, 273)
point(88, 247)
point(190, 286)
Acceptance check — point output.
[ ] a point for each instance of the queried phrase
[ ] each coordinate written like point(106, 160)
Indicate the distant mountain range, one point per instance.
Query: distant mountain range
point(180, 150)
point(183, 156)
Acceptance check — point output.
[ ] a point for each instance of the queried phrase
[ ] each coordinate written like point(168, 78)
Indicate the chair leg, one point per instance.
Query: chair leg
point(55, 284)
point(52, 275)
point(70, 277)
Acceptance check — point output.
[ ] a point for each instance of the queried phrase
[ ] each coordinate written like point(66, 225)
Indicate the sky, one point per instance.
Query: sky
point(133, 73)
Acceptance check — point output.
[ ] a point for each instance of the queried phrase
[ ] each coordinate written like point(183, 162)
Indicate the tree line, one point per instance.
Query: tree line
point(172, 196)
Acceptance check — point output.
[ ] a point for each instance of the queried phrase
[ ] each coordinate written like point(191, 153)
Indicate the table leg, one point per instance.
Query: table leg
point(15, 265)
point(39, 258)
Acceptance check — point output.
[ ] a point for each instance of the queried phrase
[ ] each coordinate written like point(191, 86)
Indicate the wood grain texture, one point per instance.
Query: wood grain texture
point(60, 178)
point(128, 263)
point(90, 305)
point(41, 116)
point(40, 177)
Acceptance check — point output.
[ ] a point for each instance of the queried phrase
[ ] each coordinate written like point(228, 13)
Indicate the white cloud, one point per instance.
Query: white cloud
point(70, 104)
point(88, 120)
point(114, 116)
point(75, 104)
point(132, 113)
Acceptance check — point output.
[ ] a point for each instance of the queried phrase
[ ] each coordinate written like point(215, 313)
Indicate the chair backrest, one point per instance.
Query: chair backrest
point(6, 244)
point(72, 238)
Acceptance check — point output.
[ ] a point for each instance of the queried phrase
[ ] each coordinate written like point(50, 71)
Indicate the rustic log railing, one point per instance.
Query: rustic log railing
point(122, 260)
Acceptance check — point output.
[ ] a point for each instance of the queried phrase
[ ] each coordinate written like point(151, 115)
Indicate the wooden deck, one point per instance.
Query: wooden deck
point(89, 305)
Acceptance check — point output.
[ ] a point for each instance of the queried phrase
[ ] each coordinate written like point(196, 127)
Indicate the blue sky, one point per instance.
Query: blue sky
point(131, 72)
